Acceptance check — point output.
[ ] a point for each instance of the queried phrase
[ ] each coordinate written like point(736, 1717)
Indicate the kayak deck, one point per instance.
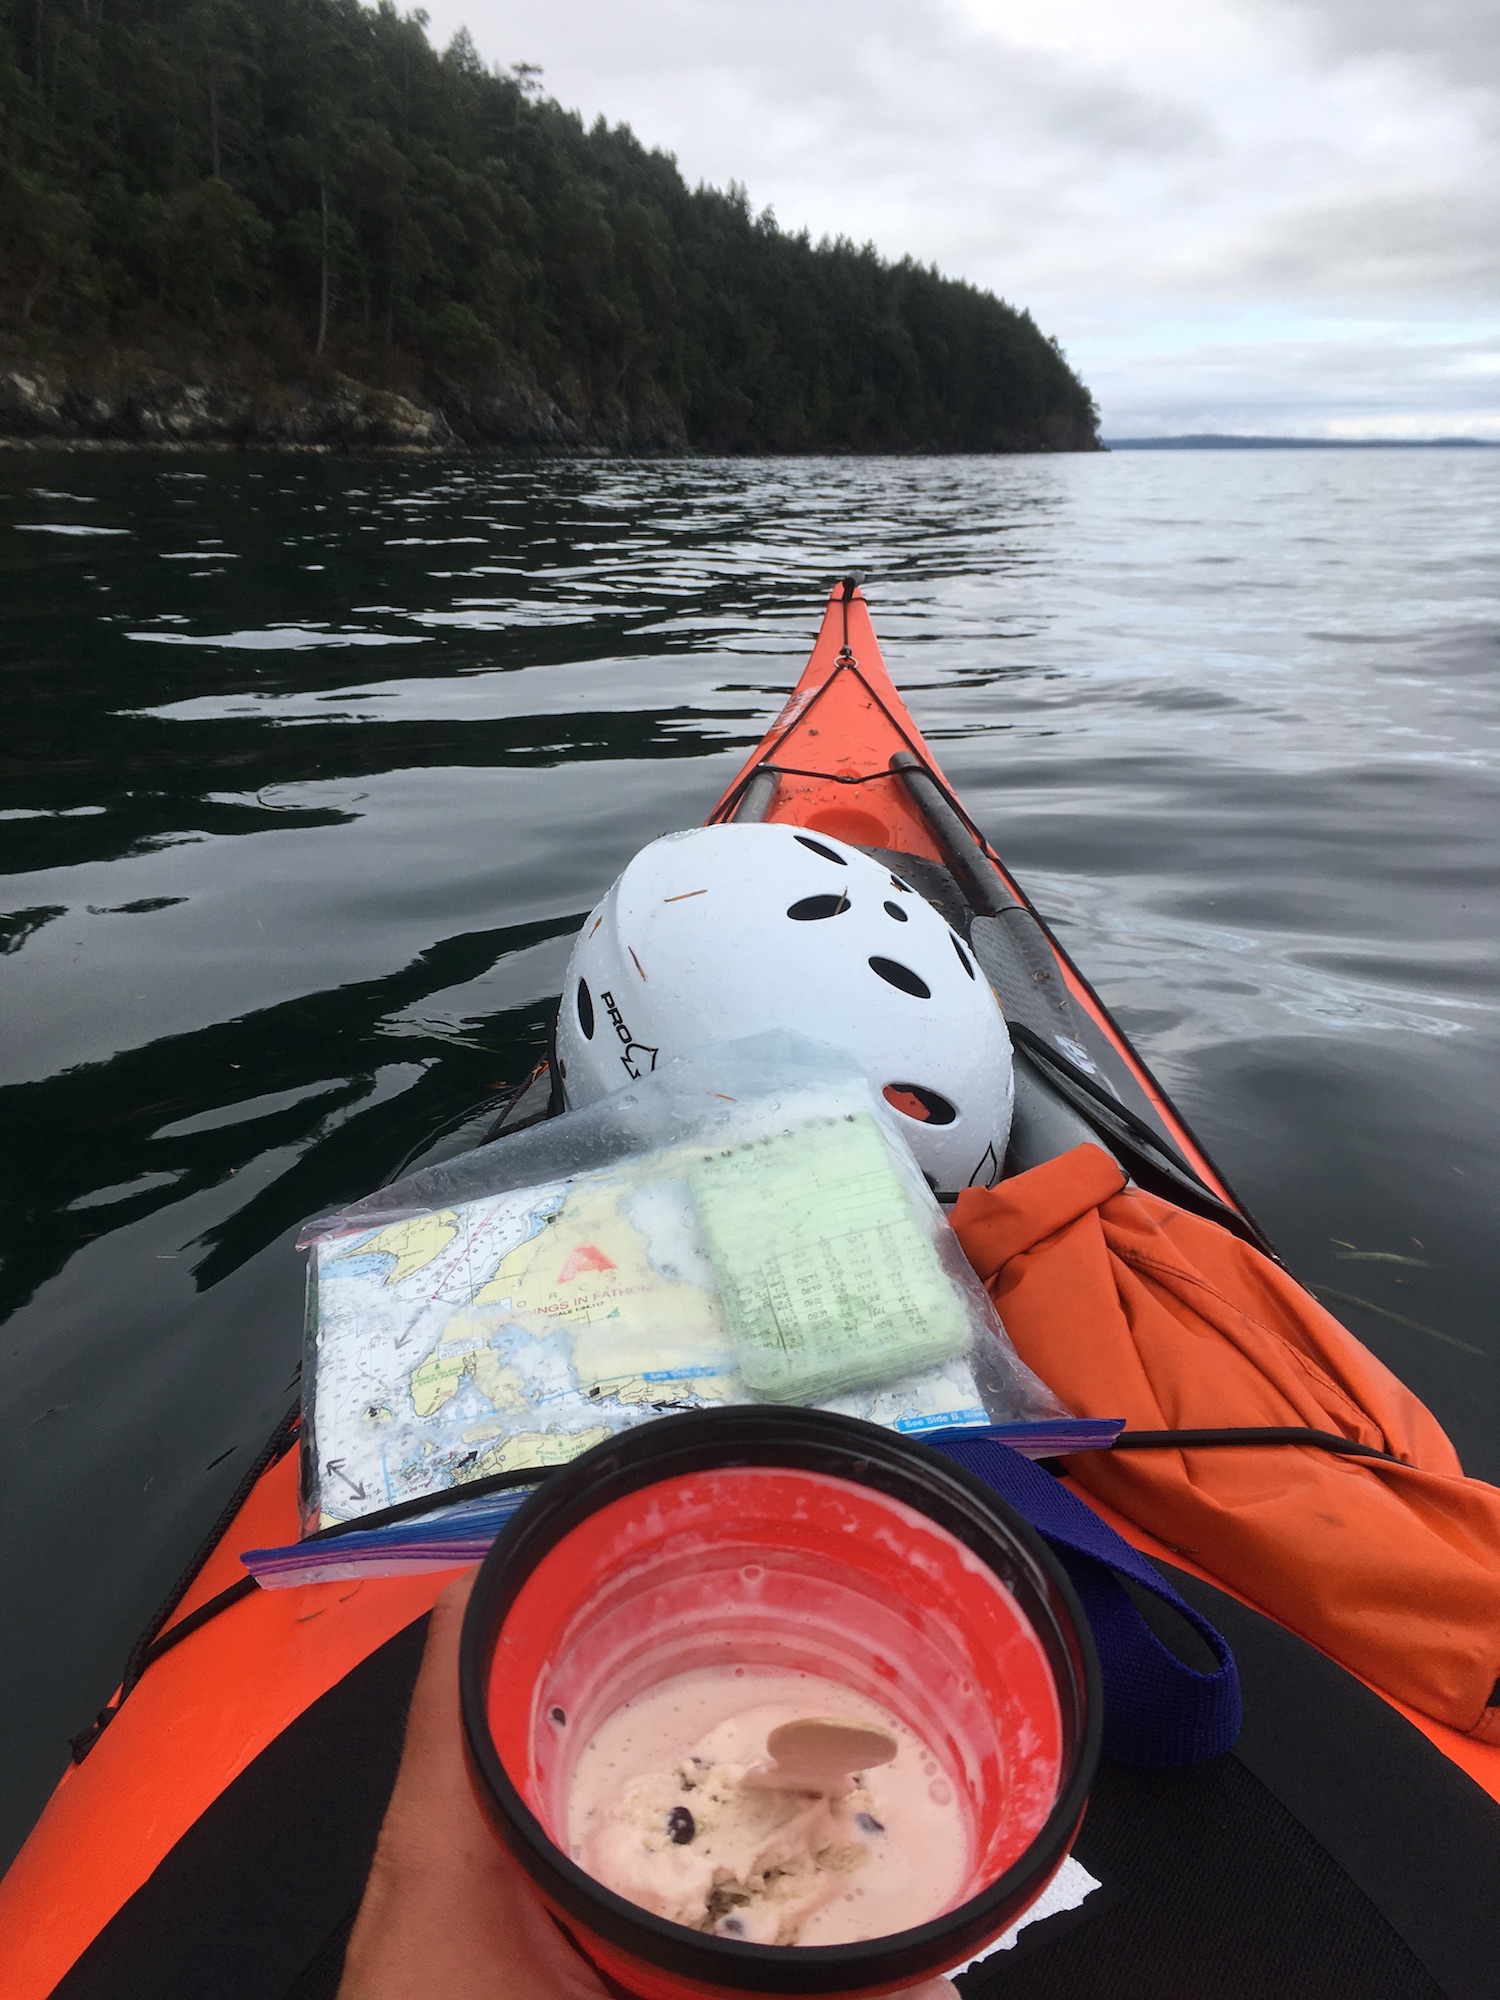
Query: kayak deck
point(212, 1716)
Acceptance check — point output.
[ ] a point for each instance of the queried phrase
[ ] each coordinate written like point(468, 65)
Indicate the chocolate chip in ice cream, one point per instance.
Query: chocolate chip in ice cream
point(681, 1825)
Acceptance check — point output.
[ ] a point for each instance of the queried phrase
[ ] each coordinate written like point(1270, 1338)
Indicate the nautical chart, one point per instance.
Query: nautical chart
point(516, 1331)
point(510, 1332)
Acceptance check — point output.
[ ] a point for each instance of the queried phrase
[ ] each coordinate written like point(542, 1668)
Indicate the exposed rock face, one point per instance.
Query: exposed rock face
point(149, 407)
point(141, 403)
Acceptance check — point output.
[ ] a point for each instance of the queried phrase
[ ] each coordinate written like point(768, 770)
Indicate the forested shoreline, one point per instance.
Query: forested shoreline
point(296, 222)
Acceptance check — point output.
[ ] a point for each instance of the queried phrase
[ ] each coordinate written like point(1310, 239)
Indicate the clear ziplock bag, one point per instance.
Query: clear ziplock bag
point(746, 1224)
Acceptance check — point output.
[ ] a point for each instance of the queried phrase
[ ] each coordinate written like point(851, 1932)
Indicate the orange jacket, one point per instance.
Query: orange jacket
point(1129, 1307)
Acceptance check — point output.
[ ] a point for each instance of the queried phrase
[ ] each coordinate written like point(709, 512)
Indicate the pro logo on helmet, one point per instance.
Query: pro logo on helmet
point(633, 1050)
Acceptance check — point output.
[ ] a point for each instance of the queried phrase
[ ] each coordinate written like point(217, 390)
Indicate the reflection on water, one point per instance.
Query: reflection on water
point(311, 768)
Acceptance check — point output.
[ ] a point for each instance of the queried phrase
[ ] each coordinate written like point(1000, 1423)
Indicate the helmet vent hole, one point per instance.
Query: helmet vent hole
point(895, 910)
point(914, 1100)
point(585, 1010)
point(905, 887)
point(901, 977)
point(817, 847)
point(813, 908)
point(963, 957)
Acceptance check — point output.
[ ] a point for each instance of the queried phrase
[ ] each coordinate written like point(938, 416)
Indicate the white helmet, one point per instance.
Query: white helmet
point(727, 931)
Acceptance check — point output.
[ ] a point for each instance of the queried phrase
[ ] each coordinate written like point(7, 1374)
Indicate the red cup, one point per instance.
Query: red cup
point(805, 1541)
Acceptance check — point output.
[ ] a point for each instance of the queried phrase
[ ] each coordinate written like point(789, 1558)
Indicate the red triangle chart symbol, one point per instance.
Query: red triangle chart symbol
point(587, 1257)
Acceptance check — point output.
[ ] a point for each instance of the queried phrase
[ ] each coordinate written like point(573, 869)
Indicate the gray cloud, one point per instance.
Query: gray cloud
point(1459, 39)
point(1390, 380)
point(1423, 244)
point(1252, 170)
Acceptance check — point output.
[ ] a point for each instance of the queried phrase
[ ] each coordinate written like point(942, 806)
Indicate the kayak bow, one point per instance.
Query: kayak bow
point(238, 1688)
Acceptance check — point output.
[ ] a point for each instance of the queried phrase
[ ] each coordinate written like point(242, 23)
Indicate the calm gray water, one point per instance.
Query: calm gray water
point(309, 769)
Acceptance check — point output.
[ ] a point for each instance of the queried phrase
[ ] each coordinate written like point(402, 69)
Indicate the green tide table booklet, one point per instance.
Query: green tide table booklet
point(827, 1270)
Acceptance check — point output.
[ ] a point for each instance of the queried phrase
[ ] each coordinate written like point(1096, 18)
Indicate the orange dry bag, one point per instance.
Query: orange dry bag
point(1130, 1307)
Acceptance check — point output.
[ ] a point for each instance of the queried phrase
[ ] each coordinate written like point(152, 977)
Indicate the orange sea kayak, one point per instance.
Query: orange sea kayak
point(213, 1833)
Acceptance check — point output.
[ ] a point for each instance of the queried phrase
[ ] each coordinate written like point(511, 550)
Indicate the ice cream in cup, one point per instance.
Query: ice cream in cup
point(777, 1701)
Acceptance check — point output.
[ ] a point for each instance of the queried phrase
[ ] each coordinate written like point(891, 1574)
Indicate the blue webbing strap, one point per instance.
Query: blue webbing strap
point(1158, 1711)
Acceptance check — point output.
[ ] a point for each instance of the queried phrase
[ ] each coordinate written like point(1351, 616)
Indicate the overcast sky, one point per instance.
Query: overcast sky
point(1243, 215)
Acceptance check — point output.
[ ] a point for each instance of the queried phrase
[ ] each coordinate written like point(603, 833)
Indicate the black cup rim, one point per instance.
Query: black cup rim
point(842, 1447)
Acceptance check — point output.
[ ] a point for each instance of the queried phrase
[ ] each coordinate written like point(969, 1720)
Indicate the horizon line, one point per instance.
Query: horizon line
point(1270, 441)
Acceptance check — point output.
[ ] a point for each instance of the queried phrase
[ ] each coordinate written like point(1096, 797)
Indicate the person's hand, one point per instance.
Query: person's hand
point(447, 1912)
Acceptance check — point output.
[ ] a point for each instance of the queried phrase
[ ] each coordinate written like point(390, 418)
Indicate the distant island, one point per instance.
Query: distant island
point(1238, 441)
point(294, 222)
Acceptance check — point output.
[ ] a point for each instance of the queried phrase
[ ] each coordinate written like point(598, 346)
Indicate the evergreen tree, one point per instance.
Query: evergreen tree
point(289, 190)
